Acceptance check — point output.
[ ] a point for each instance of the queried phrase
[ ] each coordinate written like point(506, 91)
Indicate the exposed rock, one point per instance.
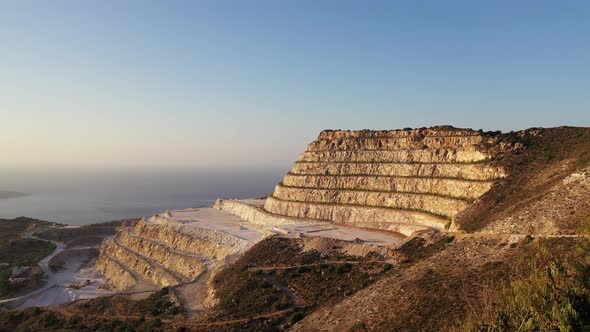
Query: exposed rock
point(167, 250)
point(402, 180)
point(119, 276)
point(187, 247)
point(317, 273)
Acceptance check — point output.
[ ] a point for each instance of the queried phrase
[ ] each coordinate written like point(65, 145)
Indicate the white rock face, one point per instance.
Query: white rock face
point(400, 180)
point(181, 247)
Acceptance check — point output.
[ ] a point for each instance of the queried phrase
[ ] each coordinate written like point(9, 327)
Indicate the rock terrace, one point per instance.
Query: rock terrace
point(398, 180)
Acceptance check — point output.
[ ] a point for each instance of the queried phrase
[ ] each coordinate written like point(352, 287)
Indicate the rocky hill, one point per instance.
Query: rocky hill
point(515, 246)
point(414, 230)
point(398, 180)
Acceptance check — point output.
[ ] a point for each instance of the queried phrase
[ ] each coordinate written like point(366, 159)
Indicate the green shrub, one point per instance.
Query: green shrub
point(303, 269)
point(297, 316)
point(358, 327)
point(5, 274)
point(25, 252)
point(343, 268)
point(151, 325)
point(264, 284)
point(550, 293)
point(158, 304)
point(50, 321)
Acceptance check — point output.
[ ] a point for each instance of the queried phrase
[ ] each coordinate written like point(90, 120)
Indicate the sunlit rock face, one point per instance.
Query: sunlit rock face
point(174, 248)
point(399, 180)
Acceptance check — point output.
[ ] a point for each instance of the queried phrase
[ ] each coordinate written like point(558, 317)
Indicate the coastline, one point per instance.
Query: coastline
point(6, 194)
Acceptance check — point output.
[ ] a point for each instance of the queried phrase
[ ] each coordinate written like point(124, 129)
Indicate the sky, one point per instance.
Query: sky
point(221, 84)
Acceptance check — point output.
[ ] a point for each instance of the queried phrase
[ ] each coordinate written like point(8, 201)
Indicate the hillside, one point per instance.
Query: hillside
point(44, 262)
point(546, 193)
point(547, 188)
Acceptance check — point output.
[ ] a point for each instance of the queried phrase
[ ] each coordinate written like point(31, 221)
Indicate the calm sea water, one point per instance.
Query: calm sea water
point(83, 197)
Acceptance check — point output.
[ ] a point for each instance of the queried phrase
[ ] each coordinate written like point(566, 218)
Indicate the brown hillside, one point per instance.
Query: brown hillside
point(547, 189)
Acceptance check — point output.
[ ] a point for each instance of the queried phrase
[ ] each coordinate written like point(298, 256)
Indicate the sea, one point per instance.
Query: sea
point(81, 196)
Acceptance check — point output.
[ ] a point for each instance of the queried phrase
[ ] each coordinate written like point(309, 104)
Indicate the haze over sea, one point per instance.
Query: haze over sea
point(81, 197)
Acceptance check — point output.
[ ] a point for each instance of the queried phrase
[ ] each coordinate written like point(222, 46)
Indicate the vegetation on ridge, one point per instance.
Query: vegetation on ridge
point(277, 276)
point(113, 313)
point(550, 291)
point(18, 251)
point(535, 159)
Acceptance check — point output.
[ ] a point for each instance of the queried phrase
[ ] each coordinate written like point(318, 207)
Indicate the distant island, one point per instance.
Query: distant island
point(11, 194)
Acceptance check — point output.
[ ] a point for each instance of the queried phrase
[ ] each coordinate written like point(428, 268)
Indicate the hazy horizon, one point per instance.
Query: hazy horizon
point(229, 85)
point(87, 196)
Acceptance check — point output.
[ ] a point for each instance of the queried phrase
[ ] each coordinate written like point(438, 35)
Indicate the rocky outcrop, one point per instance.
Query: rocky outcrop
point(401, 180)
point(402, 221)
point(146, 268)
point(187, 266)
point(436, 205)
point(192, 240)
point(463, 189)
point(555, 211)
point(169, 249)
point(254, 214)
point(119, 276)
point(477, 172)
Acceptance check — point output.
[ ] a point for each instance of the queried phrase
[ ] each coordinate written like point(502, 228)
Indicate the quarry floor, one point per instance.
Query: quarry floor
point(194, 295)
point(211, 218)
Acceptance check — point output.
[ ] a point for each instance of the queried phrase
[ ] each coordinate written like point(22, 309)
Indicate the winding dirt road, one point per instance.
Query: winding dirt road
point(51, 279)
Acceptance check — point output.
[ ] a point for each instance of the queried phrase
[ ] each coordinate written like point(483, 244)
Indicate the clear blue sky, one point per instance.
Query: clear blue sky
point(250, 83)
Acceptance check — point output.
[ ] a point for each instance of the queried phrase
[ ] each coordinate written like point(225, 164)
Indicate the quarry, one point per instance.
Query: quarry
point(344, 184)
point(369, 230)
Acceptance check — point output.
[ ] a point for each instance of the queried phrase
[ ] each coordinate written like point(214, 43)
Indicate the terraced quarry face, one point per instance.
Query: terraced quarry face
point(174, 248)
point(185, 248)
point(399, 180)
